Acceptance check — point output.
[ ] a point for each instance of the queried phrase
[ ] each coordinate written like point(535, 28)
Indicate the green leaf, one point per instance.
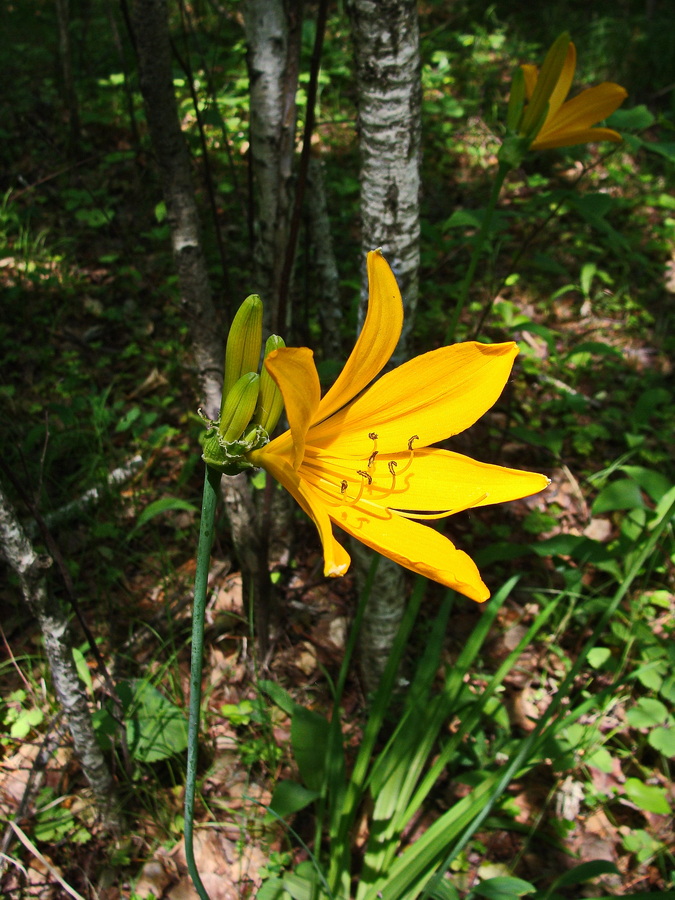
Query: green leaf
point(585, 872)
point(648, 797)
point(623, 494)
point(635, 119)
point(156, 728)
point(310, 734)
point(289, 797)
point(647, 713)
point(165, 504)
point(662, 739)
point(598, 656)
point(600, 759)
point(503, 887)
point(278, 696)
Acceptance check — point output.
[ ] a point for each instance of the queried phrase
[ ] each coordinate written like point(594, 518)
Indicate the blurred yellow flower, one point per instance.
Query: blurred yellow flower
point(548, 119)
point(362, 458)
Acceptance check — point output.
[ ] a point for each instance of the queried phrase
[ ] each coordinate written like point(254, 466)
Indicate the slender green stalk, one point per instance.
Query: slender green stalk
point(206, 529)
point(502, 172)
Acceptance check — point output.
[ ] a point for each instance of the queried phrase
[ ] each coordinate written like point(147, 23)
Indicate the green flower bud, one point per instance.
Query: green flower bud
point(244, 343)
point(270, 401)
point(238, 407)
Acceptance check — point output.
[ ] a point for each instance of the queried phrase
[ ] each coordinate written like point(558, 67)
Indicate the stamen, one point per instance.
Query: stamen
point(415, 437)
point(391, 465)
point(344, 484)
point(364, 477)
point(371, 459)
point(372, 435)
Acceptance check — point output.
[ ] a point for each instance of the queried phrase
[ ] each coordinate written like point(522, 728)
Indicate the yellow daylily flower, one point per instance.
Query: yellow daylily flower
point(566, 122)
point(363, 460)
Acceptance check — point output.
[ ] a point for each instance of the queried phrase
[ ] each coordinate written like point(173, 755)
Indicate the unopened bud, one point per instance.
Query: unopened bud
point(244, 343)
point(270, 401)
point(239, 407)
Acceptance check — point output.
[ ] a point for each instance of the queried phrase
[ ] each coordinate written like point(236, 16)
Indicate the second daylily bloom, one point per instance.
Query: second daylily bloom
point(363, 460)
point(550, 120)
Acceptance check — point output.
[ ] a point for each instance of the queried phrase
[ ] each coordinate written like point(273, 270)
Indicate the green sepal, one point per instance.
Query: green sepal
point(229, 457)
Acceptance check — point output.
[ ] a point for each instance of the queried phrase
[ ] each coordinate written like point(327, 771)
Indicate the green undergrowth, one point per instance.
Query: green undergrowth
point(96, 371)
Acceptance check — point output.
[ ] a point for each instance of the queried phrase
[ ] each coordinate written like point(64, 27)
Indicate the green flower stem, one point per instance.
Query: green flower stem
point(502, 172)
point(206, 530)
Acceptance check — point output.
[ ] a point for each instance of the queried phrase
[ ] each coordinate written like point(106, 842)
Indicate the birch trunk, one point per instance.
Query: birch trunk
point(30, 569)
point(151, 32)
point(385, 34)
point(386, 47)
point(273, 32)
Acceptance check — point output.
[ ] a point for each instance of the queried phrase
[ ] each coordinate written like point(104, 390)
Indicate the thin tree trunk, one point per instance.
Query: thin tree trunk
point(151, 32)
point(66, 58)
point(30, 569)
point(386, 47)
point(385, 34)
point(273, 32)
point(322, 268)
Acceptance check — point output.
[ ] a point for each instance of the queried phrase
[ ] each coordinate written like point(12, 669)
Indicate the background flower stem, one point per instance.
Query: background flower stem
point(212, 479)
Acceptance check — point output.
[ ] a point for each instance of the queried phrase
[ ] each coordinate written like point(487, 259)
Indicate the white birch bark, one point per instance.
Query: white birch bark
point(385, 34)
point(386, 47)
point(30, 569)
point(272, 33)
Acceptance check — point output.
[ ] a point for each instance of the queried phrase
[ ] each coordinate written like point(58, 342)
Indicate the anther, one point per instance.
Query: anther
point(391, 465)
point(415, 437)
point(371, 459)
point(365, 475)
point(372, 435)
point(343, 486)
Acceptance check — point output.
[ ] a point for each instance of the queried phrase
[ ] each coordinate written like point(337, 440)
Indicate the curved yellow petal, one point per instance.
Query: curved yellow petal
point(436, 480)
point(564, 83)
point(294, 372)
point(377, 341)
point(417, 547)
point(588, 108)
point(530, 73)
point(429, 398)
point(336, 558)
point(571, 138)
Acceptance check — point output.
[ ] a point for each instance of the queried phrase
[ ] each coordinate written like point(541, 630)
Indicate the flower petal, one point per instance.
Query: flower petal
point(336, 558)
point(417, 547)
point(295, 374)
point(431, 398)
point(377, 341)
point(564, 83)
point(436, 481)
point(573, 138)
point(579, 114)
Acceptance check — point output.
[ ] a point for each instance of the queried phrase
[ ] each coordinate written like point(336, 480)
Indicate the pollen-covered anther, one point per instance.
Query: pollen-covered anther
point(344, 484)
point(371, 459)
point(365, 475)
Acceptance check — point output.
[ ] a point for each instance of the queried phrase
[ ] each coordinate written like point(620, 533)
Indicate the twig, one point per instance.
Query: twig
point(30, 846)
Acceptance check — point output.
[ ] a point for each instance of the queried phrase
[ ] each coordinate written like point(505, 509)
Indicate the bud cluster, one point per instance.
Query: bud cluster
point(252, 404)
